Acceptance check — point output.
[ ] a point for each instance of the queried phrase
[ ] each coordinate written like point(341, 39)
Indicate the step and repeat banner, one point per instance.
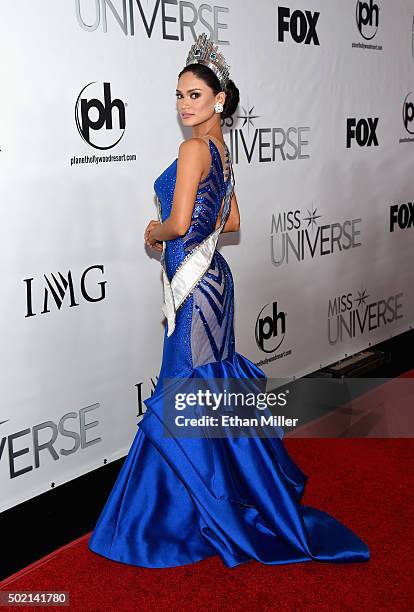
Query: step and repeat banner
point(323, 152)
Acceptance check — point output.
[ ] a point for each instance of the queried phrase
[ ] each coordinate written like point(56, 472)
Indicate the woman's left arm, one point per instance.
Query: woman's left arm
point(192, 159)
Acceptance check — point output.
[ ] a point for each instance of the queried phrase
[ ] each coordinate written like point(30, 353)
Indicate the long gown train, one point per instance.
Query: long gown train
point(179, 500)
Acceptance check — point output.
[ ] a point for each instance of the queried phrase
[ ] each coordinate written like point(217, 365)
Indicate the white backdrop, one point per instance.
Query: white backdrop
point(323, 152)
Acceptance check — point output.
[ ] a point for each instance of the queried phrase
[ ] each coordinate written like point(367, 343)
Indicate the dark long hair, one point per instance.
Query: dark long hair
point(232, 93)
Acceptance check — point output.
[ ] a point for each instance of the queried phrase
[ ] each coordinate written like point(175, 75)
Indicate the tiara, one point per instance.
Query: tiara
point(205, 52)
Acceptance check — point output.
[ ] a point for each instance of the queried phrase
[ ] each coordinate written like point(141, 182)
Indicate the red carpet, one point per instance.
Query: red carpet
point(367, 484)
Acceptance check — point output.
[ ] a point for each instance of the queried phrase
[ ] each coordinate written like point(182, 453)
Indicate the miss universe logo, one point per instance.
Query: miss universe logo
point(172, 18)
point(296, 236)
point(350, 315)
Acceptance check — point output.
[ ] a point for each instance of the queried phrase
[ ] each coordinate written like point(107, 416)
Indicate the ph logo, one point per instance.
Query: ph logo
point(408, 112)
point(270, 329)
point(367, 18)
point(94, 117)
point(301, 25)
point(363, 131)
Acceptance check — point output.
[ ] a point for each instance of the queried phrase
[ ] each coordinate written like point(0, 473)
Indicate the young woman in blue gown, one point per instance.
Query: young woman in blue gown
point(178, 500)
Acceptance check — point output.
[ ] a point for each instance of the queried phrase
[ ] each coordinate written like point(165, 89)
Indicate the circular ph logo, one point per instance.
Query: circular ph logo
point(408, 112)
point(367, 18)
point(270, 328)
point(99, 118)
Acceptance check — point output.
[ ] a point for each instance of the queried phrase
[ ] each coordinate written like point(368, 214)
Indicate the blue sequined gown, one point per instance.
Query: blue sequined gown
point(177, 501)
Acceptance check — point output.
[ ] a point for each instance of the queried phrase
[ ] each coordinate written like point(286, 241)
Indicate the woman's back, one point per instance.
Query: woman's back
point(207, 205)
point(204, 322)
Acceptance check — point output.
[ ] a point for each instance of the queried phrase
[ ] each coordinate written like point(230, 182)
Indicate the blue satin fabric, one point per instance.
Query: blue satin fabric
point(180, 500)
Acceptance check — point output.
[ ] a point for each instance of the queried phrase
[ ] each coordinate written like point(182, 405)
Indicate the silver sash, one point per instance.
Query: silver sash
point(194, 265)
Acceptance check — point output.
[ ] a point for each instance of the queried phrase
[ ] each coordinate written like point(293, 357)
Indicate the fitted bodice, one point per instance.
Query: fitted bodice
point(209, 196)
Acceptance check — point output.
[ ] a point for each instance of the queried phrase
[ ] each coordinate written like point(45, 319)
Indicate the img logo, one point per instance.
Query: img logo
point(144, 390)
point(55, 289)
point(270, 328)
point(367, 18)
point(99, 118)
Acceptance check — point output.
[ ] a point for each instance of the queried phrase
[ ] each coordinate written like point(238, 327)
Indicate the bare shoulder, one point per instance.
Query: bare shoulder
point(194, 147)
point(194, 156)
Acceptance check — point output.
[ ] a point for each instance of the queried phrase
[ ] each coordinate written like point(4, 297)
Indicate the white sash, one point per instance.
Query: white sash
point(194, 265)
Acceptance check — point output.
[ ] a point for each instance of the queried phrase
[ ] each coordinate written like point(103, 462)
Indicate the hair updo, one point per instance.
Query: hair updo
point(209, 77)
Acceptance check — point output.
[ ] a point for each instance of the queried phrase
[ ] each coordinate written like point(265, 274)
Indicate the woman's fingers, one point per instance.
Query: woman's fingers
point(156, 244)
point(152, 224)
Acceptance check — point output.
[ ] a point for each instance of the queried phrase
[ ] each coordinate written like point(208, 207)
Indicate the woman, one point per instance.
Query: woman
point(179, 499)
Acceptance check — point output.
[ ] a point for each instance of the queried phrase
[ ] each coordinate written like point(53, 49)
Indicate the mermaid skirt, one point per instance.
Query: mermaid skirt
point(178, 500)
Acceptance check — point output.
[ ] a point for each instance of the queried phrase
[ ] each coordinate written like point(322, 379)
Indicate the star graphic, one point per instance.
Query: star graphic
point(248, 117)
point(362, 297)
point(312, 217)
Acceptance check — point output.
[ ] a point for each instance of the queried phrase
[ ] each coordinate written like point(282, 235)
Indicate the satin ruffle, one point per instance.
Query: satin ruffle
point(177, 501)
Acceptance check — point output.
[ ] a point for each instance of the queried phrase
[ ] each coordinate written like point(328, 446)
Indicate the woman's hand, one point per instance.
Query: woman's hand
point(149, 240)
